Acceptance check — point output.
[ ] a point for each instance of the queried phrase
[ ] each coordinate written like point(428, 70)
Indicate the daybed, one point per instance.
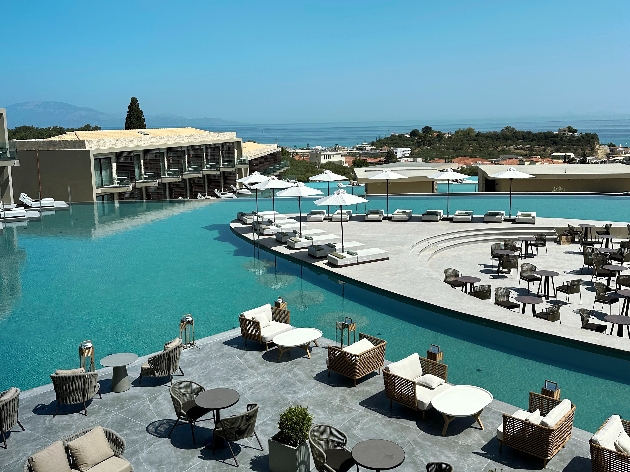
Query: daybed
point(341, 214)
point(316, 215)
point(96, 449)
point(432, 215)
point(322, 250)
point(358, 359)
point(542, 430)
point(526, 217)
point(374, 215)
point(402, 215)
point(494, 216)
point(610, 446)
point(414, 381)
point(301, 243)
point(263, 323)
point(359, 256)
point(463, 216)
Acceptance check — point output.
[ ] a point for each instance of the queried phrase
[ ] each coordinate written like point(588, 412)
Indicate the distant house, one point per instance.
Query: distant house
point(401, 152)
point(322, 157)
point(563, 156)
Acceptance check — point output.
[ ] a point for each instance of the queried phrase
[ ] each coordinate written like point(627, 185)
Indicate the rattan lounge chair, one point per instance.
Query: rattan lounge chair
point(585, 315)
point(599, 261)
point(74, 386)
point(328, 448)
point(165, 363)
point(571, 287)
point(551, 313)
point(263, 323)
point(543, 440)
point(374, 215)
point(9, 405)
point(183, 394)
point(115, 463)
point(605, 454)
point(358, 359)
point(502, 298)
point(483, 292)
point(527, 274)
point(401, 382)
point(450, 277)
point(237, 427)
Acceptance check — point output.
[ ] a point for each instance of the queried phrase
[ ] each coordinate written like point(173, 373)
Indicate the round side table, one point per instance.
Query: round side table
point(119, 362)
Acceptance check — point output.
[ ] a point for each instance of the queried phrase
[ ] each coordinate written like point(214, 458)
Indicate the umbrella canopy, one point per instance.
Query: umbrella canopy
point(448, 175)
point(299, 190)
point(387, 175)
point(511, 173)
point(340, 198)
point(272, 183)
point(253, 179)
point(327, 176)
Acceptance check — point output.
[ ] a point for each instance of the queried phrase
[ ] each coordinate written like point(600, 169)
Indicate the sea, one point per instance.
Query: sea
point(615, 130)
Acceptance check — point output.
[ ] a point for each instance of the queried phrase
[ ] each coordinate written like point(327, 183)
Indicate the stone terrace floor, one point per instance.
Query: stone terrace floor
point(144, 414)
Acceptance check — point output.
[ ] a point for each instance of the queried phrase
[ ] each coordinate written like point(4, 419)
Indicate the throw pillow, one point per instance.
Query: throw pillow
point(430, 381)
point(90, 449)
point(556, 414)
point(409, 367)
point(262, 319)
point(359, 347)
point(534, 417)
point(608, 433)
point(80, 370)
point(51, 459)
point(622, 444)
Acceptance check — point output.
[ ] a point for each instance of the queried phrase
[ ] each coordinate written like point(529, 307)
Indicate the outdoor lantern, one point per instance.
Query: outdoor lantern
point(187, 331)
point(280, 303)
point(435, 353)
point(551, 389)
point(86, 349)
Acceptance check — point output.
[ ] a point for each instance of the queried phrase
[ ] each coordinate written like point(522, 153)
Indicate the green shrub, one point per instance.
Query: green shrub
point(294, 425)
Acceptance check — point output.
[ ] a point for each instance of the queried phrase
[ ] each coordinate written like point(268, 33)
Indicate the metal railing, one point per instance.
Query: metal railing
point(211, 166)
point(172, 173)
point(242, 161)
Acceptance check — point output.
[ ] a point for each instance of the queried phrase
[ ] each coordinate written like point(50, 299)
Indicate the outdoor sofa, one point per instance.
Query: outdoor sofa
point(494, 216)
point(542, 430)
point(319, 251)
point(306, 241)
point(610, 446)
point(359, 256)
point(96, 449)
point(432, 215)
point(374, 215)
point(463, 216)
point(402, 215)
point(316, 215)
point(414, 381)
point(341, 215)
point(262, 324)
point(358, 359)
point(526, 217)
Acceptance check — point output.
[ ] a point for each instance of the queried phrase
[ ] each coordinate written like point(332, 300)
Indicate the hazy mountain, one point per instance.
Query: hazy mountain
point(42, 114)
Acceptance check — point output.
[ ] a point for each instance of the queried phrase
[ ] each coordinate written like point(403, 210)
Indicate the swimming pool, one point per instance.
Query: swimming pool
point(123, 277)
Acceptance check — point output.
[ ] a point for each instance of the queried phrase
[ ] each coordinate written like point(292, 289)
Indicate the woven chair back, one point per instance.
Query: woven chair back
point(483, 292)
point(495, 247)
point(321, 438)
point(234, 428)
point(450, 274)
point(75, 388)
point(182, 392)
point(9, 404)
point(509, 261)
point(585, 315)
point(510, 245)
point(501, 294)
point(541, 239)
point(600, 289)
point(588, 256)
point(527, 268)
point(623, 280)
point(166, 362)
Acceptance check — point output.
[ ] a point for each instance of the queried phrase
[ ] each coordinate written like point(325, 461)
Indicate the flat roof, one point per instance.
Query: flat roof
point(412, 170)
point(252, 150)
point(557, 171)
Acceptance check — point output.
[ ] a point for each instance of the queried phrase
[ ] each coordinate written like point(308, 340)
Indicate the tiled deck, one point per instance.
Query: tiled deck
point(144, 414)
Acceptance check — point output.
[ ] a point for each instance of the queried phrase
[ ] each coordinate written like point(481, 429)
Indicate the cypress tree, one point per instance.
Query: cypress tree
point(135, 117)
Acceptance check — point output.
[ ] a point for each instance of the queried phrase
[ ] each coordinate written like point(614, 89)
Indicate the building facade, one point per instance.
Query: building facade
point(8, 161)
point(323, 157)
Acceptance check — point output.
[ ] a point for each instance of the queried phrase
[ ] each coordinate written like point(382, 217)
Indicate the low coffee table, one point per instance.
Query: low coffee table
point(528, 300)
point(298, 337)
point(468, 280)
point(378, 454)
point(460, 401)
point(119, 362)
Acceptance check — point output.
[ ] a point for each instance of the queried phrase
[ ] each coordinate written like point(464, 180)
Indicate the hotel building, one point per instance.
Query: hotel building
point(8, 160)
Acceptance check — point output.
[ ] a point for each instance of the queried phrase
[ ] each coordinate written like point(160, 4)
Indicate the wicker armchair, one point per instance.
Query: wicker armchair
point(450, 277)
point(323, 439)
point(511, 246)
point(482, 292)
point(535, 439)
point(165, 363)
point(600, 260)
point(356, 366)
point(603, 297)
point(571, 287)
point(183, 394)
point(541, 241)
point(115, 442)
point(609, 460)
point(237, 427)
point(585, 315)
point(250, 328)
point(551, 313)
point(588, 258)
point(9, 405)
point(507, 263)
point(76, 386)
point(493, 252)
point(623, 281)
point(502, 298)
point(605, 231)
point(403, 390)
point(527, 274)
point(439, 467)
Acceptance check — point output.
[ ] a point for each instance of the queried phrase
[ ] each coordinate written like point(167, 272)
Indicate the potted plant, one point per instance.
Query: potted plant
point(288, 448)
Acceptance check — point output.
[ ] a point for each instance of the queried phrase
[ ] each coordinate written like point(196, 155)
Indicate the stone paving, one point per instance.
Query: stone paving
point(144, 414)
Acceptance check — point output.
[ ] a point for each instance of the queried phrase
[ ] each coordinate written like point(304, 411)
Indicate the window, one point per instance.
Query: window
point(102, 171)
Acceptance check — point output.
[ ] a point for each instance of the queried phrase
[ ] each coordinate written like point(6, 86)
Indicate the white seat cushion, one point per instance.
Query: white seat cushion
point(274, 328)
point(424, 395)
point(265, 309)
point(359, 347)
point(113, 464)
point(409, 367)
point(430, 381)
point(608, 434)
point(262, 320)
point(556, 414)
point(534, 417)
point(622, 444)
point(520, 414)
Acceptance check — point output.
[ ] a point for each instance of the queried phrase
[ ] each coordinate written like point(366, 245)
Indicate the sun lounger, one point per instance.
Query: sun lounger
point(432, 215)
point(15, 214)
point(339, 214)
point(401, 215)
point(526, 217)
point(371, 255)
point(494, 216)
point(283, 236)
point(374, 215)
point(316, 215)
point(360, 256)
point(44, 204)
point(322, 250)
point(463, 216)
point(306, 241)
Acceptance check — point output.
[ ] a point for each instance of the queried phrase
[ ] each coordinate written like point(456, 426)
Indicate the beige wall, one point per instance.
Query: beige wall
point(569, 185)
point(5, 184)
point(400, 186)
point(59, 170)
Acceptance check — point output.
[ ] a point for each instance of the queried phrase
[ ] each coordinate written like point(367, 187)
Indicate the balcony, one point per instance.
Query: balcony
point(8, 157)
point(242, 162)
point(228, 164)
point(171, 175)
point(211, 168)
point(276, 168)
point(118, 184)
point(148, 180)
point(193, 172)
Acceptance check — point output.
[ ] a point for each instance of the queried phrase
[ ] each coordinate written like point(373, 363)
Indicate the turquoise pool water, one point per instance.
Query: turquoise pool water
point(123, 277)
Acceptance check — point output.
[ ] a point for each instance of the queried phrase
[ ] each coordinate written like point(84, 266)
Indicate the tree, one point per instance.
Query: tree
point(414, 133)
point(135, 117)
point(427, 130)
point(611, 145)
point(390, 157)
point(360, 162)
point(571, 129)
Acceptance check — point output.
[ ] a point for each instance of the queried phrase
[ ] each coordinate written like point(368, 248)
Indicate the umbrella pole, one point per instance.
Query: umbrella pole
point(256, 200)
point(328, 208)
point(341, 210)
point(387, 199)
point(300, 209)
point(510, 198)
point(273, 204)
point(448, 196)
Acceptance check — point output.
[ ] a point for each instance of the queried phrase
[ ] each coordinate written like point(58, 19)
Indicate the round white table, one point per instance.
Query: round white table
point(460, 401)
point(298, 337)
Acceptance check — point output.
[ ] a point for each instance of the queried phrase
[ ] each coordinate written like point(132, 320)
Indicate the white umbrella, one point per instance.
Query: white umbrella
point(448, 175)
point(511, 173)
point(299, 190)
point(327, 176)
point(272, 183)
point(387, 175)
point(253, 179)
point(340, 198)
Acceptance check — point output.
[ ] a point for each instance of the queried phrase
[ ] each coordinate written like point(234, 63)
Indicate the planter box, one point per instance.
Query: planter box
point(283, 458)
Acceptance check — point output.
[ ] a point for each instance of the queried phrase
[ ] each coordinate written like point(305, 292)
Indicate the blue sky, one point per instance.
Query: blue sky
point(281, 62)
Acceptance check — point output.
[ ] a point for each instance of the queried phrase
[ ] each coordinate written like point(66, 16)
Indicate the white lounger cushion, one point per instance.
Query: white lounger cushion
point(430, 381)
point(402, 215)
point(432, 215)
point(622, 444)
point(608, 434)
point(424, 395)
point(274, 328)
point(347, 259)
point(556, 414)
point(359, 347)
point(262, 319)
point(365, 255)
point(408, 368)
point(519, 414)
point(264, 310)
